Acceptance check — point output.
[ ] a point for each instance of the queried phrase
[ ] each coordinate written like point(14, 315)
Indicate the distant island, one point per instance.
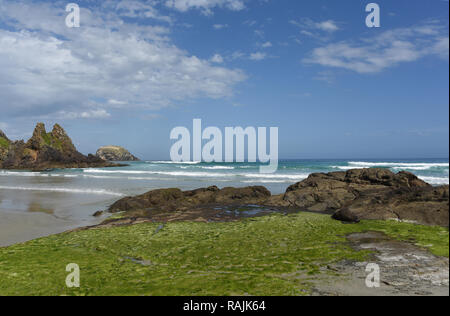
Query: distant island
point(45, 151)
point(115, 153)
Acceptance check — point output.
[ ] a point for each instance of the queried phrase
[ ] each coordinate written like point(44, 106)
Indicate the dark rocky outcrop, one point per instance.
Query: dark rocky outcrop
point(171, 200)
point(45, 151)
point(349, 196)
point(332, 191)
point(372, 194)
point(115, 153)
point(427, 205)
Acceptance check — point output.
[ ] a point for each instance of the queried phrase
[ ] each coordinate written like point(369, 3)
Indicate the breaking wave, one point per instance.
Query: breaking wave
point(64, 190)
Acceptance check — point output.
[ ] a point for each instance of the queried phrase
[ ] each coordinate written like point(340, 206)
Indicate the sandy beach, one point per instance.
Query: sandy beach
point(20, 227)
point(26, 214)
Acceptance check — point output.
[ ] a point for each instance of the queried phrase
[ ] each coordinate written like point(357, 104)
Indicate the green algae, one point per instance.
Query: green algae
point(272, 255)
point(4, 143)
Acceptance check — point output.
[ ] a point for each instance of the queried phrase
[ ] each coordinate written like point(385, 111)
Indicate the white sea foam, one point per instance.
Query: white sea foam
point(201, 174)
point(277, 176)
point(63, 190)
point(174, 162)
point(266, 181)
point(218, 168)
point(23, 174)
point(392, 165)
point(435, 180)
point(412, 168)
point(343, 167)
point(106, 177)
point(166, 173)
point(35, 174)
point(396, 164)
point(394, 168)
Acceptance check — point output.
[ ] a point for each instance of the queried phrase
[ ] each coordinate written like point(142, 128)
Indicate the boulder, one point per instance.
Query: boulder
point(174, 199)
point(377, 194)
point(115, 153)
point(426, 205)
point(332, 191)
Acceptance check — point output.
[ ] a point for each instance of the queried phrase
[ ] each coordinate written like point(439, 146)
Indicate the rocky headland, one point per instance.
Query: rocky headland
point(115, 153)
point(352, 196)
point(45, 151)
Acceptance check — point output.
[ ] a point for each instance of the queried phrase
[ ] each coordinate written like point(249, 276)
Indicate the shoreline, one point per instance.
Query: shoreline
point(41, 217)
point(19, 227)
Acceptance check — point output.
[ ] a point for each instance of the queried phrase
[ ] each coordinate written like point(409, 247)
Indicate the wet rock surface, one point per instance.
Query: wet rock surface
point(425, 205)
point(171, 200)
point(202, 205)
point(405, 269)
point(45, 151)
point(350, 196)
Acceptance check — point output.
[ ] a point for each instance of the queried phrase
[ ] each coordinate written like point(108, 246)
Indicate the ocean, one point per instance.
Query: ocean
point(71, 196)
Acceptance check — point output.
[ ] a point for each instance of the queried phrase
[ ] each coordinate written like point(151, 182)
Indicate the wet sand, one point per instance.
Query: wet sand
point(20, 227)
point(27, 215)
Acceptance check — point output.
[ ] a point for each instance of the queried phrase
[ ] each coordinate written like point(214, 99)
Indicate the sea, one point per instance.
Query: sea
point(71, 196)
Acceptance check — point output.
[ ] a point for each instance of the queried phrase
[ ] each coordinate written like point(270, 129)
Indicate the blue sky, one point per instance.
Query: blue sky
point(136, 69)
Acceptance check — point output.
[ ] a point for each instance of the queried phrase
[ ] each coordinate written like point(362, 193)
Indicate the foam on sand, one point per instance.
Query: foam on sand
point(63, 190)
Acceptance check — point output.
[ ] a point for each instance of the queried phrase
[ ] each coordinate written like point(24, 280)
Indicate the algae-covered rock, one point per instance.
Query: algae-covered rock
point(115, 153)
point(45, 151)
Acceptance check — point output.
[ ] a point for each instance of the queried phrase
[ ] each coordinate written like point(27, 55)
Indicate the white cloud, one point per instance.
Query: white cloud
point(117, 103)
point(266, 45)
point(205, 6)
point(259, 33)
point(47, 68)
point(93, 114)
point(218, 59)
point(386, 50)
point(328, 26)
point(306, 23)
point(134, 9)
point(319, 30)
point(257, 56)
point(220, 26)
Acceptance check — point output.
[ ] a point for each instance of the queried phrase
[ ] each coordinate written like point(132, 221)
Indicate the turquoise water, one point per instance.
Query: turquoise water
point(75, 194)
point(141, 176)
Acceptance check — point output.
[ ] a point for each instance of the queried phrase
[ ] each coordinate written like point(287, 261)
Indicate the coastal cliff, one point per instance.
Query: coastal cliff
point(115, 153)
point(45, 151)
